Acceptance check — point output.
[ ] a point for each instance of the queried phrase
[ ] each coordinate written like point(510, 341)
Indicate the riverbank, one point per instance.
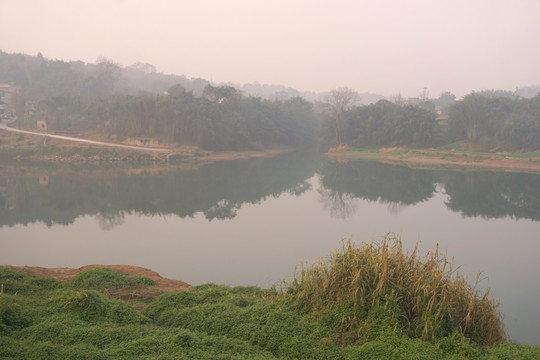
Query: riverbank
point(93, 149)
point(126, 312)
point(160, 283)
point(446, 157)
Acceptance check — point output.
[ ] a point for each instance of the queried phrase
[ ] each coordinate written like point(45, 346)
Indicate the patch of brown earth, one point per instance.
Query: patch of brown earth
point(339, 148)
point(390, 150)
point(69, 273)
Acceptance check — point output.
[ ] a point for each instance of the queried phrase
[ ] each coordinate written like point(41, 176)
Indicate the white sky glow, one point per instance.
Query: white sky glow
point(380, 46)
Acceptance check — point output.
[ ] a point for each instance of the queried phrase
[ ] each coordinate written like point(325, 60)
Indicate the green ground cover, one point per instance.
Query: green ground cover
point(369, 302)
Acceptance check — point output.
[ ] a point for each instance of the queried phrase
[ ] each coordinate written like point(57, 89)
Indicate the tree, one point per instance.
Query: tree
point(336, 104)
point(481, 118)
point(18, 99)
point(108, 73)
point(220, 93)
point(143, 68)
point(445, 100)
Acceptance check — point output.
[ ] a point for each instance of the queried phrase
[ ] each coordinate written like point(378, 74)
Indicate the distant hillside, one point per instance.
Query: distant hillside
point(44, 78)
point(280, 92)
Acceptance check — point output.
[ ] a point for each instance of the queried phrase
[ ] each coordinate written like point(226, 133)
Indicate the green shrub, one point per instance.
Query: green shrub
point(91, 305)
point(266, 323)
point(205, 294)
point(105, 278)
point(514, 352)
point(18, 282)
point(81, 352)
point(390, 345)
point(11, 316)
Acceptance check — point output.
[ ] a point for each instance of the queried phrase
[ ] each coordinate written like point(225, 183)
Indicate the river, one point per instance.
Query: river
point(252, 222)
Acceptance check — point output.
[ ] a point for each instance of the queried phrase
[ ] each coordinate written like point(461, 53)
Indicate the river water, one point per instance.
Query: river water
point(252, 222)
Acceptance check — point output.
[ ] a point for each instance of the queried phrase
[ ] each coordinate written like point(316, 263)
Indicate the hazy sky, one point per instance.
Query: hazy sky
point(379, 46)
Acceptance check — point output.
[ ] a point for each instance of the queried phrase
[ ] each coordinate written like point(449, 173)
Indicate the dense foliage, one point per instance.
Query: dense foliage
point(493, 121)
point(232, 123)
point(48, 319)
point(105, 278)
point(136, 101)
point(388, 124)
point(76, 96)
point(490, 120)
point(43, 79)
point(381, 124)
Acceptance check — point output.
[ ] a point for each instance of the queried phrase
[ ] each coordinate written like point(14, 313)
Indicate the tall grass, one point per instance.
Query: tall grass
point(363, 291)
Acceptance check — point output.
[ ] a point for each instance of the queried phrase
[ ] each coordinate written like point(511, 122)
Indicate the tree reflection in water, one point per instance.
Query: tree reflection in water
point(472, 193)
point(219, 190)
point(216, 190)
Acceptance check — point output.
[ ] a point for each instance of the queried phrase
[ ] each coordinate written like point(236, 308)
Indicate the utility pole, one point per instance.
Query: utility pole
point(425, 94)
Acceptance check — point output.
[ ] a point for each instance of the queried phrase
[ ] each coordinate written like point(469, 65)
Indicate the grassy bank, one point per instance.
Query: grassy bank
point(18, 147)
point(368, 302)
point(34, 148)
point(449, 156)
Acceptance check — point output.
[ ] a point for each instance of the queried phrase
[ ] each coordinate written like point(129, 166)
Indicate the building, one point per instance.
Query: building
point(5, 101)
point(42, 125)
point(5, 93)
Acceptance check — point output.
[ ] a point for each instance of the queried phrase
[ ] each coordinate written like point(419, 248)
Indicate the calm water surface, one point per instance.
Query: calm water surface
point(252, 222)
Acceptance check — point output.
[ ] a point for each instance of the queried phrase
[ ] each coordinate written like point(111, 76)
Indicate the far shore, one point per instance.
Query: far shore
point(16, 144)
point(443, 158)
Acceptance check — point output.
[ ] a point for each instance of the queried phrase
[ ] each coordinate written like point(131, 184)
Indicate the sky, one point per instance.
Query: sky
point(383, 46)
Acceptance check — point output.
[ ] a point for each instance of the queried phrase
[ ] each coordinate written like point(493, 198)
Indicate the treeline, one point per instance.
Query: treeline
point(221, 119)
point(488, 120)
point(43, 79)
point(381, 124)
point(131, 102)
point(134, 102)
point(496, 121)
point(388, 124)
